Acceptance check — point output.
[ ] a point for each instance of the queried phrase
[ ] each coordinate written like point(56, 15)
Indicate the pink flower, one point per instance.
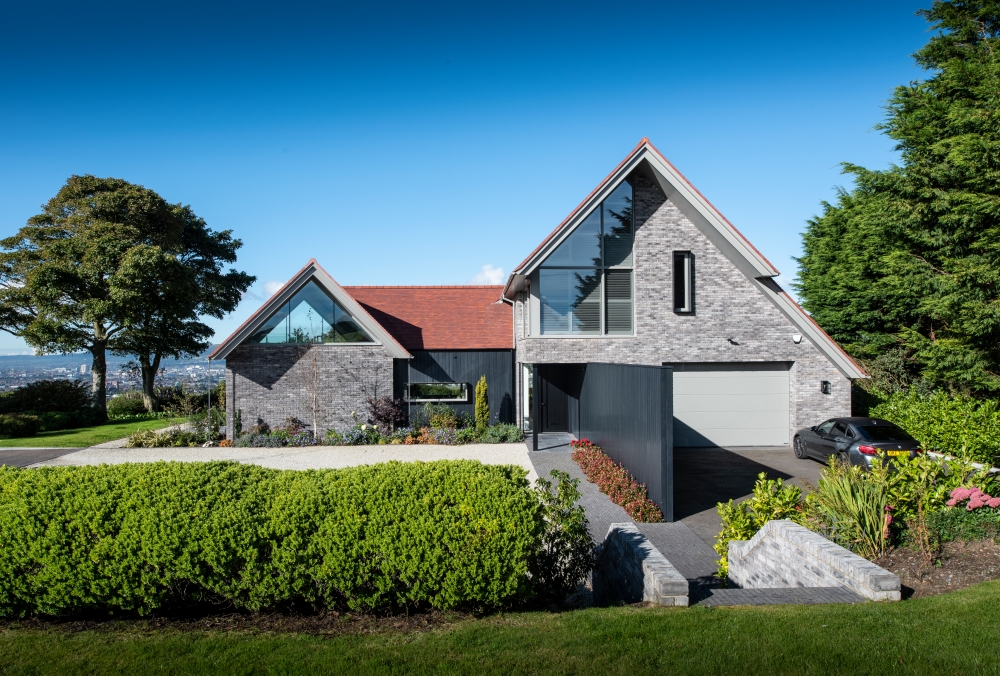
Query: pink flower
point(961, 493)
point(993, 503)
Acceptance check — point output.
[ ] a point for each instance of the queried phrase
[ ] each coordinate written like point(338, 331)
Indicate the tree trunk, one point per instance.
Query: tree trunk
point(149, 383)
point(99, 376)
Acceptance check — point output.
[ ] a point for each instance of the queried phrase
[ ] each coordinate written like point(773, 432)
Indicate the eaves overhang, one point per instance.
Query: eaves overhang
point(312, 270)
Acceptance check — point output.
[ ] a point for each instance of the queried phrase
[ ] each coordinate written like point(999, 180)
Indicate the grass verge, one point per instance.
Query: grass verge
point(87, 436)
point(951, 633)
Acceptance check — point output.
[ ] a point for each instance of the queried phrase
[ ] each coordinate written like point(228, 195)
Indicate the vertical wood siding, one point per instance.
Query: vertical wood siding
point(466, 366)
point(628, 411)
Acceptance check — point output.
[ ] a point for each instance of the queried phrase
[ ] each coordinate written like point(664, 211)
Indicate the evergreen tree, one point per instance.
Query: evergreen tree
point(482, 404)
point(905, 268)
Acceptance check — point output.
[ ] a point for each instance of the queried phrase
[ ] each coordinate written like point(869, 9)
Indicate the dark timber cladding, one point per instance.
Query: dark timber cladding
point(628, 411)
point(464, 366)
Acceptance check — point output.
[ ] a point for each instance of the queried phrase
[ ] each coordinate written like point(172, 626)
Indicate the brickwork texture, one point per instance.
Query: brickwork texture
point(321, 385)
point(784, 554)
point(728, 307)
point(630, 569)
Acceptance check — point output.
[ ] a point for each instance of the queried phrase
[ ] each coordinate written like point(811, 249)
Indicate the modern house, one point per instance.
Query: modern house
point(645, 271)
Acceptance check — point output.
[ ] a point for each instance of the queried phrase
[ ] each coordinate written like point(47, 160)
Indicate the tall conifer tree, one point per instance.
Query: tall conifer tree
point(905, 268)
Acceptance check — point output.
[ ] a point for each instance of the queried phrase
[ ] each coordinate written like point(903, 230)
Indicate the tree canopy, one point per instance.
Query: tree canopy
point(904, 270)
point(109, 265)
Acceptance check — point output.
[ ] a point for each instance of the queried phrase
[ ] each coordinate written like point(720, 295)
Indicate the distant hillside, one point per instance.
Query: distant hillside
point(74, 361)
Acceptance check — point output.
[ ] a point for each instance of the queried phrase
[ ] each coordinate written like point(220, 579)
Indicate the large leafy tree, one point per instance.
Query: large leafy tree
point(168, 291)
point(109, 265)
point(905, 268)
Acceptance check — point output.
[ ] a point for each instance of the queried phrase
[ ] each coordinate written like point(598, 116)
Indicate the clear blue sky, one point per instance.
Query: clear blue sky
point(416, 144)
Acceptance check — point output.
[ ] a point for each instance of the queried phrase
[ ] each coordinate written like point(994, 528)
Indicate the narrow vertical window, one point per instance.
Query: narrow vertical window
point(683, 282)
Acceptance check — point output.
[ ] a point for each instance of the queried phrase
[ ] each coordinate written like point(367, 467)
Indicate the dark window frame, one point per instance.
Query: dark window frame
point(684, 275)
point(417, 400)
point(601, 272)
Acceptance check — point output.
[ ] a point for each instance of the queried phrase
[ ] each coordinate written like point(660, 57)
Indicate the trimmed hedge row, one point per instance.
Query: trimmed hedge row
point(954, 424)
point(144, 537)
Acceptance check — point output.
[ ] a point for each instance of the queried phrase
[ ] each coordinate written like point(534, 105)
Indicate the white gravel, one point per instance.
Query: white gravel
point(313, 457)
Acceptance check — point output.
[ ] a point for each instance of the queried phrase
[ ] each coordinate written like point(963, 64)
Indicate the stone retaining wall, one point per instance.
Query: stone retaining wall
point(630, 569)
point(784, 554)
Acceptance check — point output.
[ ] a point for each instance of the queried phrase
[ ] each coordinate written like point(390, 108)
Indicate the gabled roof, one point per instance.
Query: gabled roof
point(646, 159)
point(314, 271)
point(440, 317)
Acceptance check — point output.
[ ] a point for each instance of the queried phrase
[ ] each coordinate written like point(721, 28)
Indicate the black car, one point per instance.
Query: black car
point(854, 440)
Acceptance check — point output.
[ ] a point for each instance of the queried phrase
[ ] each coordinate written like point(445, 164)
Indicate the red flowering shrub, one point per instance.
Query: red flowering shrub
point(615, 481)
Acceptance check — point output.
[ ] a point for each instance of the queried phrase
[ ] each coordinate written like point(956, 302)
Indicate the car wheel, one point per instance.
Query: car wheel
point(844, 459)
point(799, 448)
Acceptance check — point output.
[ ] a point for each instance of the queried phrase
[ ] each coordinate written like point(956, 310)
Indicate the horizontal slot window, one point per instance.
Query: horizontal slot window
point(454, 392)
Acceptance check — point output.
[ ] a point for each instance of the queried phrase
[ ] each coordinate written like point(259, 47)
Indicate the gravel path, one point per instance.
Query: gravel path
point(314, 457)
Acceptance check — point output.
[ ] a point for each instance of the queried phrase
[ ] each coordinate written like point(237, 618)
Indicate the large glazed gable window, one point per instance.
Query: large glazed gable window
point(310, 316)
point(585, 285)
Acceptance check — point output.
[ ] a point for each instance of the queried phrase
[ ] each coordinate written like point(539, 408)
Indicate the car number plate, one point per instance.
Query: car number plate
point(896, 454)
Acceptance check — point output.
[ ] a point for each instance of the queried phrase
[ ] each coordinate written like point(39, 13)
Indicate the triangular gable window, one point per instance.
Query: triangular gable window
point(310, 316)
point(585, 285)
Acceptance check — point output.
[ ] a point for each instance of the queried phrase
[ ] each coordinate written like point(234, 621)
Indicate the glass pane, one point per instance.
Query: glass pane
point(310, 316)
point(618, 284)
point(582, 247)
point(345, 329)
point(438, 392)
point(273, 330)
point(618, 226)
point(571, 301)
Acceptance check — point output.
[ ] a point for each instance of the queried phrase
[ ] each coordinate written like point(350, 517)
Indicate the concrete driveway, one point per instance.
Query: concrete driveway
point(308, 457)
point(22, 457)
point(704, 477)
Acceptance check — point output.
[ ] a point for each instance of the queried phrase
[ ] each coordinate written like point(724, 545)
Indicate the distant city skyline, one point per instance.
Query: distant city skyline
point(437, 144)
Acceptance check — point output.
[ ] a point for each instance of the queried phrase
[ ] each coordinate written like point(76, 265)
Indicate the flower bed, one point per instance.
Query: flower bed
point(615, 481)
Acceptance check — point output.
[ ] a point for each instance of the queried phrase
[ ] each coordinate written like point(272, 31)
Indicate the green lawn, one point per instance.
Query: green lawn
point(954, 633)
point(87, 436)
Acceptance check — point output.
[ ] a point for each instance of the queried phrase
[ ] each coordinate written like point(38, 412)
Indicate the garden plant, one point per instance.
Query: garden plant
point(167, 537)
point(614, 480)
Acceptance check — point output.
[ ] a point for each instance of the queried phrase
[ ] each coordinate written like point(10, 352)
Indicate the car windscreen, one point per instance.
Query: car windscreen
point(885, 433)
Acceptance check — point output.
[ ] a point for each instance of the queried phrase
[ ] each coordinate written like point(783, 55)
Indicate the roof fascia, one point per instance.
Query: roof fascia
point(312, 271)
point(707, 219)
point(810, 329)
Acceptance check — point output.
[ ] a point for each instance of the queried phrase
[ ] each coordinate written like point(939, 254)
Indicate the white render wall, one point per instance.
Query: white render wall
point(727, 306)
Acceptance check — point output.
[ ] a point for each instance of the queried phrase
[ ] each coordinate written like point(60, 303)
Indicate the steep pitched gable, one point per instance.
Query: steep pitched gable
point(647, 160)
point(312, 271)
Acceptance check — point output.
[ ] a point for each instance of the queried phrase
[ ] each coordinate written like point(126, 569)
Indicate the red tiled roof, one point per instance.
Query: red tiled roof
point(440, 317)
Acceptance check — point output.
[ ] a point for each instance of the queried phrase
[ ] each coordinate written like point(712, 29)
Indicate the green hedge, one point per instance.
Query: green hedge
point(957, 425)
point(960, 524)
point(143, 537)
point(19, 425)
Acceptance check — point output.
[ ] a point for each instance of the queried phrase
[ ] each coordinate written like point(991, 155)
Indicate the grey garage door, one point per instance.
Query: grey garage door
point(731, 404)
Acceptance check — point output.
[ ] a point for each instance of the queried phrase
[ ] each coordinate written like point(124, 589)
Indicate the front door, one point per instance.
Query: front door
point(555, 408)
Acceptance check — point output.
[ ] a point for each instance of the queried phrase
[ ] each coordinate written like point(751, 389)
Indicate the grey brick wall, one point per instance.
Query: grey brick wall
point(275, 382)
point(783, 554)
point(727, 304)
point(629, 569)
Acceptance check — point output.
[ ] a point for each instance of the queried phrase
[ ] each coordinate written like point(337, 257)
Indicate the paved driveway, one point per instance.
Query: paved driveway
point(22, 457)
point(704, 477)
